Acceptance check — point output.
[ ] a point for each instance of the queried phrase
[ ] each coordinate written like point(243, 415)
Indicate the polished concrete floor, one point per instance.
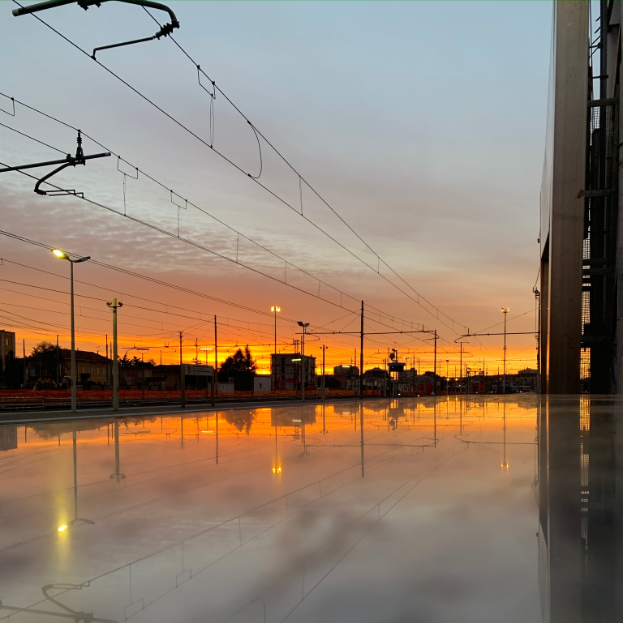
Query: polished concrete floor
point(267, 514)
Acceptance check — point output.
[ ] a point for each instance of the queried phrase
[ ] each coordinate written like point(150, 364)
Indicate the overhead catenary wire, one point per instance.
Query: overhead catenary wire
point(436, 313)
point(188, 202)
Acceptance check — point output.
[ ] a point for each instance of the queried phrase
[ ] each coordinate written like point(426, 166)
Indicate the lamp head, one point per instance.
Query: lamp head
point(82, 259)
point(275, 308)
point(60, 254)
point(505, 310)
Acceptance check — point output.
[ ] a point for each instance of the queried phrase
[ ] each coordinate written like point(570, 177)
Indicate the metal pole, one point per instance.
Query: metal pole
point(182, 377)
point(115, 359)
point(58, 362)
point(461, 370)
point(73, 342)
point(215, 393)
point(324, 348)
point(504, 383)
point(435, 367)
point(275, 358)
point(303, 366)
point(361, 358)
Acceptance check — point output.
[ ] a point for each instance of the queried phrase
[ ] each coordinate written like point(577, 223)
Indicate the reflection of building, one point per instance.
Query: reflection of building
point(8, 437)
point(290, 417)
point(7, 348)
point(581, 511)
point(287, 369)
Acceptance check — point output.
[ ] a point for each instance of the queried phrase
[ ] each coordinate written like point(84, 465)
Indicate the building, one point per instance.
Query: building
point(581, 235)
point(7, 348)
point(262, 383)
point(8, 437)
point(92, 368)
point(347, 376)
point(287, 370)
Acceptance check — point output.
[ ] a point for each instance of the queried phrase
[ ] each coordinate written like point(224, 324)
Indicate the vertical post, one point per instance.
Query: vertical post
point(24, 361)
point(73, 342)
point(303, 365)
point(435, 366)
point(107, 367)
point(215, 377)
point(461, 370)
point(182, 376)
point(505, 312)
point(58, 362)
point(361, 357)
point(115, 358)
point(324, 348)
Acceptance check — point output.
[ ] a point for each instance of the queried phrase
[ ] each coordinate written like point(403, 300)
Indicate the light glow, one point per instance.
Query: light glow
point(61, 254)
point(62, 528)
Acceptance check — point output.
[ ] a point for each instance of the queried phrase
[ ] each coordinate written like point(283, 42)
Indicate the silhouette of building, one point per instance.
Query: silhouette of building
point(288, 369)
point(7, 348)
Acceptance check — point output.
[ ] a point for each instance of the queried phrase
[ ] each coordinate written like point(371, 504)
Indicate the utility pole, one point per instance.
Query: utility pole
point(275, 309)
point(461, 370)
point(107, 366)
point(182, 376)
point(58, 361)
point(115, 359)
point(505, 311)
point(24, 361)
point(361, 364)
point(324, 348)
point(435, 366)
point(214, 376)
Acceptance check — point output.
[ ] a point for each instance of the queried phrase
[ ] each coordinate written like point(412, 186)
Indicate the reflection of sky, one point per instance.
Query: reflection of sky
point(427, 139)
point(435, 531)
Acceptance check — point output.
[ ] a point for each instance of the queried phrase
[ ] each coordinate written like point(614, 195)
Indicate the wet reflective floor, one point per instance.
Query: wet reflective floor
point(458, 513)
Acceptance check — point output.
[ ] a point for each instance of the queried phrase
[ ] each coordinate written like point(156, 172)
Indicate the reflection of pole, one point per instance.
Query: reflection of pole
point(504, 461)
point(361, 429)
point(217, 418)
point(324, 421)
point(75, 444)
point(117, 475)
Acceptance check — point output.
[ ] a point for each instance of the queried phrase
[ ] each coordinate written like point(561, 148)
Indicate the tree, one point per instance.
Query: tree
point(45, 358)
point(241, 367)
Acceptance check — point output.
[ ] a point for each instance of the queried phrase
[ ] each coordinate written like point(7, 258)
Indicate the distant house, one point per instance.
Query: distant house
point(287, 370)
point(262, 383)
point(7, 348)
point(92, 368)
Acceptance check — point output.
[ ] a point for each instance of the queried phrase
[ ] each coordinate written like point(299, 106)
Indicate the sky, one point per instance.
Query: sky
point(420, 125)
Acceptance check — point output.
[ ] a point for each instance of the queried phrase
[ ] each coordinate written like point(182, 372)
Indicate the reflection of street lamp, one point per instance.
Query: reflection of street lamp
point(63, 256)
point(304, 325)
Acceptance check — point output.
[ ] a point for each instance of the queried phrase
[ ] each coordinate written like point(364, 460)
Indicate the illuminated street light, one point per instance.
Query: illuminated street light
point(63, 256)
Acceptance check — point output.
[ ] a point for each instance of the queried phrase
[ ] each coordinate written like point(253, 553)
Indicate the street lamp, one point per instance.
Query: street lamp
point(505, 311)
point(275, 309)
point(304, 325)
point(63, 256)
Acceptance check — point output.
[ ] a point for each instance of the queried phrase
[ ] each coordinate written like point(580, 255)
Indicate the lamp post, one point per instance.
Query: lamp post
point(275, 309)
point(505, 311)
point(114, 305)
point(213, 372)
point(304, 325)
point(63, 256)
point(447, 382)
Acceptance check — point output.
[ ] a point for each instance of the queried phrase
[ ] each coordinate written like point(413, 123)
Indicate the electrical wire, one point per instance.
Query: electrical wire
point(437, 312)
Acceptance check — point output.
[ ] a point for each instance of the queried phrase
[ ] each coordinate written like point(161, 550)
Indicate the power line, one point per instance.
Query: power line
point(437, 312)
point(188, 202)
